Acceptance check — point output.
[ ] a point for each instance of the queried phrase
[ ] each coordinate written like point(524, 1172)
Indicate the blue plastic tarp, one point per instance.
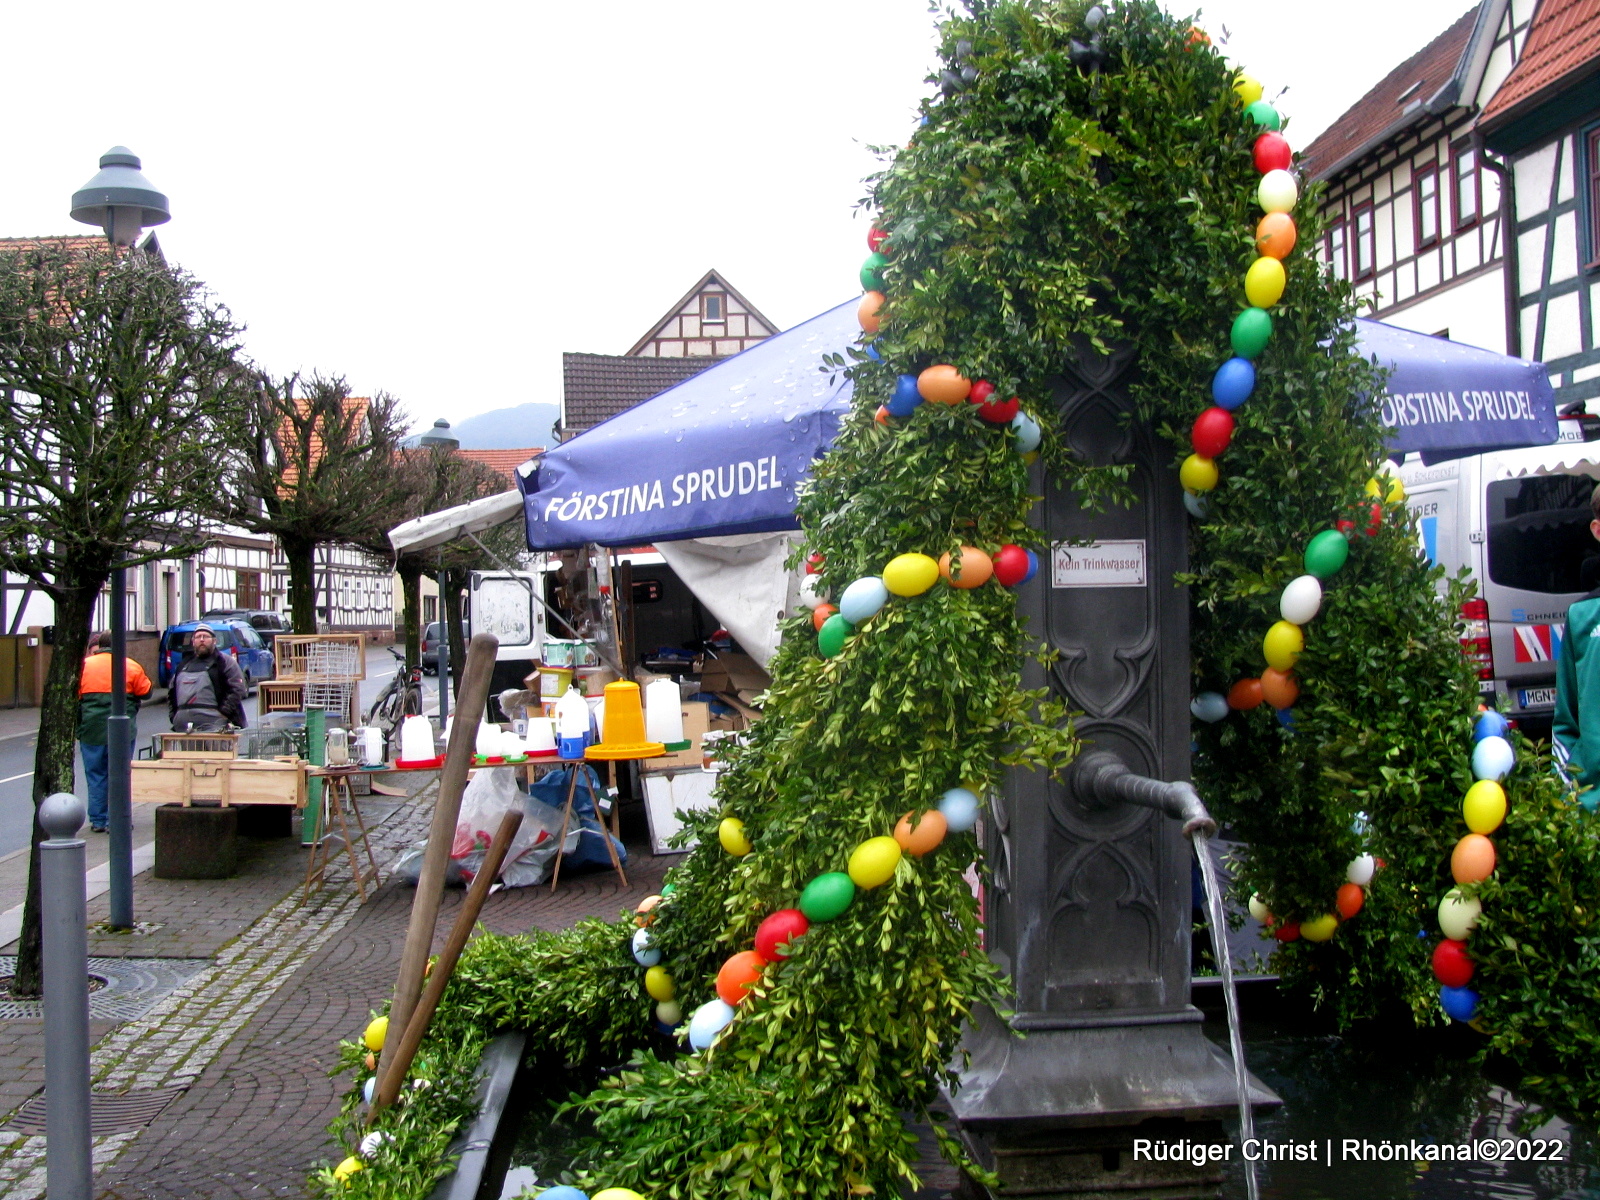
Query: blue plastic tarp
point(1446, 399)
point(720, 453)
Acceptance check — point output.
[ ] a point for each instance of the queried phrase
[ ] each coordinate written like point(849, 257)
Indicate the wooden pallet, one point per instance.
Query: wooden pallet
point(220, 781)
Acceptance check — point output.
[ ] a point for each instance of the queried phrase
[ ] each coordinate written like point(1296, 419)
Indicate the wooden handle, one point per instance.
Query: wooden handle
point(444, 965)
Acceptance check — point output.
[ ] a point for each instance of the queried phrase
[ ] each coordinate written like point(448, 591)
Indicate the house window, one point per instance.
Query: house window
point(430, 609)
point(248, 593)
point(1468, 194)
point(1338, 255)
point(1592, 145)
point(713, 307)
point(1366, 243)
point(1425, 202)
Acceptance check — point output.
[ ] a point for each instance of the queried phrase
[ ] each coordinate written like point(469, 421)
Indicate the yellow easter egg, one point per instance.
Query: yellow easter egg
point(910, 574)
point(618, 1194)
point(1282, 645)
point(376, 1032)
point(1249, 89)
point(1198, 474)
point(873, 862)
point(659, 984)
point(347, 1168)
point(1264, 282)
point(1320, 929)
point(732, 836)
point(1484, 806)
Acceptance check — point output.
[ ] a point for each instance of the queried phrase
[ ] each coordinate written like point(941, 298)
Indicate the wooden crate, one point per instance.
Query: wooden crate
point(294, 654)
point(220, 781)
point(278, 696)
point(199, 745)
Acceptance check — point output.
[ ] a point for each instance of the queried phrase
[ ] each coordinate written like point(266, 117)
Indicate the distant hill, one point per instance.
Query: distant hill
point(508, 428)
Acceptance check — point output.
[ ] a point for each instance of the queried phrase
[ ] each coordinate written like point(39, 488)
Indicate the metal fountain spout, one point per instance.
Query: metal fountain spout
point(1107, 779)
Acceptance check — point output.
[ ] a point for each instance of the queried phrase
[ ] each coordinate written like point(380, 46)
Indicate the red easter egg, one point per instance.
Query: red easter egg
point(1213, 430)
point(1289, 931)
point(821, 613)
point(814, 564)
point(1247, 694)
point(738, 974)
point(1010, 565)
point(1349, 900)
point(876, 238)
point(999, 412)
point(882, 415)
point(1374, 519)
point(1272, 153)
point(1452, 965)
point(981, 391)
point(774, 934)
point(1343, 524)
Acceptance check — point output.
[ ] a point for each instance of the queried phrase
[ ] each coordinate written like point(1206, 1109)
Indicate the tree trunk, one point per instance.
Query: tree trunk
point(301, 555)
point(410, 571)
point(455, 582)
point(53, 755)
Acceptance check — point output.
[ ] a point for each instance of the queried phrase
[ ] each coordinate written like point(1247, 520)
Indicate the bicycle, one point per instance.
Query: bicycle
point(400, 698)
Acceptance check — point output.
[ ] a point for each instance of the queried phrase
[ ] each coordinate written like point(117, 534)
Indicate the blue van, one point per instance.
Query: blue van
point(234, 637)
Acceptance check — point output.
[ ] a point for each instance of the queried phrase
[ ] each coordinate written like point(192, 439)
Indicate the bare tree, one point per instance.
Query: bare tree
point(119, 376)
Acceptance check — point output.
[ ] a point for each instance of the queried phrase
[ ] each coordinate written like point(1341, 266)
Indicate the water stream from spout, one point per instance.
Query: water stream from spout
point(1219, 951)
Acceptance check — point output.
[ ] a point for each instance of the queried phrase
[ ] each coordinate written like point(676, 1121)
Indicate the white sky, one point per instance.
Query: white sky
point(438, 200)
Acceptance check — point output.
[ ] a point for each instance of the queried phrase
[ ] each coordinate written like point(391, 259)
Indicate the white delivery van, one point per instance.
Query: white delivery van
point(1518, 520)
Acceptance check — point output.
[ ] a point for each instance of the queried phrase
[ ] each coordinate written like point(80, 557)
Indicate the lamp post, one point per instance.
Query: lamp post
point(120, 201)
point(439, 441)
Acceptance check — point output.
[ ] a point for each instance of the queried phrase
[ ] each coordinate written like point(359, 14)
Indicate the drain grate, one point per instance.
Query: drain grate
point(109, 1112)
point(95, 984)
point(130, 988)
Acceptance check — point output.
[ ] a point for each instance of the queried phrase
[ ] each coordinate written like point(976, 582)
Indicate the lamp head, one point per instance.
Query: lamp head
point(438, 438)
point(119, 199)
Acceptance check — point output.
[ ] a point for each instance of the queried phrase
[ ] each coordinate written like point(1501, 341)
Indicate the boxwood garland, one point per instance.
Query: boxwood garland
point(1072, 188)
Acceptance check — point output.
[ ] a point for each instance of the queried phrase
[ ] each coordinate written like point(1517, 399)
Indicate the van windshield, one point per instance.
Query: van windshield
point(1539, 538)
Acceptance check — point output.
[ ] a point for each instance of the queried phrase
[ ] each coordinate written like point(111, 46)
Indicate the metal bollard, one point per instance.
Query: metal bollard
point(69, 1172)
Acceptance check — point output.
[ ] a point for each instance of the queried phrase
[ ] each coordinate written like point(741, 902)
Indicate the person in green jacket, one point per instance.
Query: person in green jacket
point(1576, 744)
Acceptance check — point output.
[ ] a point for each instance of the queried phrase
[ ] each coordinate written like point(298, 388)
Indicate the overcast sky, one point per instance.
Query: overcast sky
point(437, 200)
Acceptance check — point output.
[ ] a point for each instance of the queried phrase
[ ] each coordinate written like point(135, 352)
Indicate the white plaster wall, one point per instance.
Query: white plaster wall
point(1473, 312)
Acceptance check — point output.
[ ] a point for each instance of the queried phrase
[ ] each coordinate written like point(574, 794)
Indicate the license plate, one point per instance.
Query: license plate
point(1536, 697)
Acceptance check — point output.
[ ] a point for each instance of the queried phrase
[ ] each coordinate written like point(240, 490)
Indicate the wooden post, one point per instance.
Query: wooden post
point(471, 699)
point(394, 1075)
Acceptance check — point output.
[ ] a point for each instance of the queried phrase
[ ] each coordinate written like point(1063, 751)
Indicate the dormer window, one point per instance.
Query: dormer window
point(714, 307)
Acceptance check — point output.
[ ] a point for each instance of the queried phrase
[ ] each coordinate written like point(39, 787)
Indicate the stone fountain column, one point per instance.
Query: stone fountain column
point(1089, 907)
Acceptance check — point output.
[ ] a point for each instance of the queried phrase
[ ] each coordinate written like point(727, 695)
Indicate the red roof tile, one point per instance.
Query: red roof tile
point(502, 462)
point(1393, 105)
point(1565, 38)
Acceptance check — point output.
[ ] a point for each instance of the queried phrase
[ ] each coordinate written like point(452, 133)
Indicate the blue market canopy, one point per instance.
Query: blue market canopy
point(720, 453)
point(1446, 399)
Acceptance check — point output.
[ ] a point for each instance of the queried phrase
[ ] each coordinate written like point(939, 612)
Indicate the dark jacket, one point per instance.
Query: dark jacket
point(227, 684)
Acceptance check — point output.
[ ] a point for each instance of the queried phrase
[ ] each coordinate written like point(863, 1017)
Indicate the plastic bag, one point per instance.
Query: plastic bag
point(550, 793)
point(489, 796)
point(408, 867)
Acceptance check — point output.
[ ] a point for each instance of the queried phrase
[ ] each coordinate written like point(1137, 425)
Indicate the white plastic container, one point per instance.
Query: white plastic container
point(663, 712)
point(572, 724)
point(371, 746)
point(416, 740)
point(338, 748)
point(490, 741)
point(541, 736)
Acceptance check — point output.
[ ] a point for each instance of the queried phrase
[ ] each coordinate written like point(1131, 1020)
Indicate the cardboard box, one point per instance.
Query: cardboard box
point(727, 673)
point(696, 720)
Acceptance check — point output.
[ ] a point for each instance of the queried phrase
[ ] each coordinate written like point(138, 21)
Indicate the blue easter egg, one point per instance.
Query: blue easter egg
point(1232, 384)
point(1492, 758)
point(871, 349)
point(1209, 707)
point(906, 397)
point(709, 1020)
point(1461, 1003)
point(1033, 568)
point(959, 807)
point(1199, 506)
point(1027, 433)
point(1490, 724)
point(1286, 717)
point(862, 599)
point(644, 953)
point(562, 1192)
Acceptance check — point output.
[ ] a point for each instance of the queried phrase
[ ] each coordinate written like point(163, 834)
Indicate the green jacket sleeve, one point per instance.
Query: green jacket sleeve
point(1565, 725)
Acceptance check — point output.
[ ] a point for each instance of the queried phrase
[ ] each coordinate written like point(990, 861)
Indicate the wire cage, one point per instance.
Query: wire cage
point(199, 745)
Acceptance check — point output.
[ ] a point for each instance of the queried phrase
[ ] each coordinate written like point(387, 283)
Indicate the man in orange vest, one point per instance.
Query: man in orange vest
point(94, 706)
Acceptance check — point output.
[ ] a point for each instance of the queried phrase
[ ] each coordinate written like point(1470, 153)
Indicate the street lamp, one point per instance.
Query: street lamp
point(121, 202)
point(439, 441)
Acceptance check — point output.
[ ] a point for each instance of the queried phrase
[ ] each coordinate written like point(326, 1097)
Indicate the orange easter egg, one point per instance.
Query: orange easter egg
point(1279, 688)
point(867, 314)
point(821, 613)
point(943, 384)
point(929, 832)
point(1349, 899)
point(1275, 235)
point(1472, 861)
point(882, 415)
point(972, 571)
point(738, 974)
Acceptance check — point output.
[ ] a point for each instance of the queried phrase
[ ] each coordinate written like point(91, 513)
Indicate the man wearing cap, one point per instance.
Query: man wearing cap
point(94, 707)
point(208, 690)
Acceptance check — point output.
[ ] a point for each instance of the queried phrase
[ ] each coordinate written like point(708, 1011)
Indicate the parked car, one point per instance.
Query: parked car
point(234, 637)
point(430, 649)
point(267, 623)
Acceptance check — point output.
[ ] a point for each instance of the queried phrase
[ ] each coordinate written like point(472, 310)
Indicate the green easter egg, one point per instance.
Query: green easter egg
point(872, 272)
point(1326, 553)
point(1251, 330)
point(1264, 115)
point(830, 638)
point(826, 896)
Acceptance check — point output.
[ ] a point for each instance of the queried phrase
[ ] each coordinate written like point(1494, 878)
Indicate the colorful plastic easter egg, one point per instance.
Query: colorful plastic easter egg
point(1198, 474)
point(775, 933)
point(867, 313)
point(1209, 707)
point(1248, 87)
point(863, 599)
point(925, 837)
point(1490, 724)
point(738, 975)
point(377, 1029)
point(831, 637)
point(730, 832)
point(1326, 552)
point(960, 808)
point(1472, 861)
point(1259, 909)
point(1213, 430)
point(995, 410)
point(1285, 717)
point(882, 416)
point(1319, 929)
point(1484, 806)
point(658, 982)
point(1492, 758)
point(669, 1013)
point(1251, 331)
point(1301, 599)
point(872, 272)
point(1264, 115)
point(1033, 567)
point(710, 1019)
point(875, 239)
point(1276, 235)
point(813, 591)
point(1458, 916)
point(1245, 695)
point(1025, 432)
point(1279, 688)
point(563, 1192)
point(1233, 382)
point(973, 569)
point(1272, 153)
point(645, 954)
point(1197, 504)
point(826, 896)
point(1452, 965)
point(1010, 565)
point(1264, 282)
point(1277, 192)
point(348, 1168)
point(644, 911)
point(369, 1089)
point(943, 384)
point(1361, 869)
point(618, 1194)
point(1289, 931)
point(1393, 489)
point(981, 391)
point(871, 350)
point(372, 1143)
point(1460, 1003)
point(910, 574)
point(905, 399)
point(1349, 899)
point(1283, 644)
point(820, 615)
point(872, 863)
